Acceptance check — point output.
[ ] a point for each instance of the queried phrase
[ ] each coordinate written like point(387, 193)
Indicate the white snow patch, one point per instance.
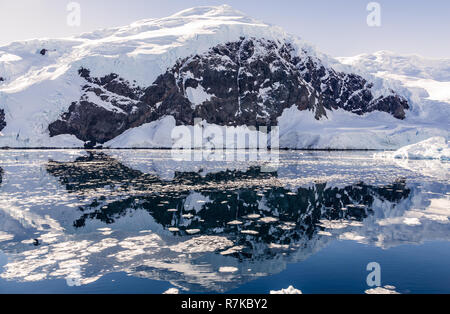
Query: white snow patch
point(92, 97)
point(197, 96)
point(333, 224)
point(250, 232)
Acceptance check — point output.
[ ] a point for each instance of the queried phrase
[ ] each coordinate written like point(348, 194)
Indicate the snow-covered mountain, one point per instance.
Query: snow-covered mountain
point(133, 86)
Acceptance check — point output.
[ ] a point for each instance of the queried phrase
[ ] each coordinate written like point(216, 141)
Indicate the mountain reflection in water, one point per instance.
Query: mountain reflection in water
point(272, 214)
point(185, 228)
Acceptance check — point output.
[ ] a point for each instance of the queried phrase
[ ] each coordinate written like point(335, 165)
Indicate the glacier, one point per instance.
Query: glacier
point(433, 148)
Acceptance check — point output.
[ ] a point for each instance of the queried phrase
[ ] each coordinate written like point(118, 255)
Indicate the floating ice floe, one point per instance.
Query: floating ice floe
point(268, 220)
point(228, 269)
point(192, 231)
point(382, 290)
point(232, 250)
point(433, 148)
point(289, 290)
point(276, 246)
point(172, 291)
point(250, 232)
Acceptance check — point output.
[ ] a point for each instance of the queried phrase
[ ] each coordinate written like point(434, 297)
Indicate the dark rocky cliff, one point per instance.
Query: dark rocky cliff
point(248, 82)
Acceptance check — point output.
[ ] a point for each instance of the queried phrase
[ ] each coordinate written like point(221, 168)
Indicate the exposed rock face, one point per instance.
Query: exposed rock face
point(248, 82)
point(90, 121)
point(2, 119)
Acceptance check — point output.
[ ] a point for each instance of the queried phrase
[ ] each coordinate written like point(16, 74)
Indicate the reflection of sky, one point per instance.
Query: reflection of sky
point(136, 244)
point(336, 27)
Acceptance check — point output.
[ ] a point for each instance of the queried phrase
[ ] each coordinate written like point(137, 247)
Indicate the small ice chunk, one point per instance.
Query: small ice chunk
point(267, 220)
point(289, 290)
point(232, 250)
point(172, 291)
point(228, 269)
point(381, 290)
point(251, 232)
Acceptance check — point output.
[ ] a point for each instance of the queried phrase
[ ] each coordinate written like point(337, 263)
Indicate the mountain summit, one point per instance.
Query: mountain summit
point(131, 86)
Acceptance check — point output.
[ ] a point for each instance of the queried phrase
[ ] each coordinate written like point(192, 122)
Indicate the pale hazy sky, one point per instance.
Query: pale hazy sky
point(337, 27)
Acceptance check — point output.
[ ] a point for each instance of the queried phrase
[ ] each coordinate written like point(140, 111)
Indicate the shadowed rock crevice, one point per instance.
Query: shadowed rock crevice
point(248, 82)
point(2, 119)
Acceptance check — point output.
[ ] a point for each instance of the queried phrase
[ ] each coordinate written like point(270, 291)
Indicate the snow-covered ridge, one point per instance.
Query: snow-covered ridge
point(137, 52)
point(39, 81)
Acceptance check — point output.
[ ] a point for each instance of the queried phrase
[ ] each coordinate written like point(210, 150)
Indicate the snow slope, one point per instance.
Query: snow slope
point(36, 89)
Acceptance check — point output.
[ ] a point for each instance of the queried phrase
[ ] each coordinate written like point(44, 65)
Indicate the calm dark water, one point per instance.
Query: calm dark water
point(142, 222)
